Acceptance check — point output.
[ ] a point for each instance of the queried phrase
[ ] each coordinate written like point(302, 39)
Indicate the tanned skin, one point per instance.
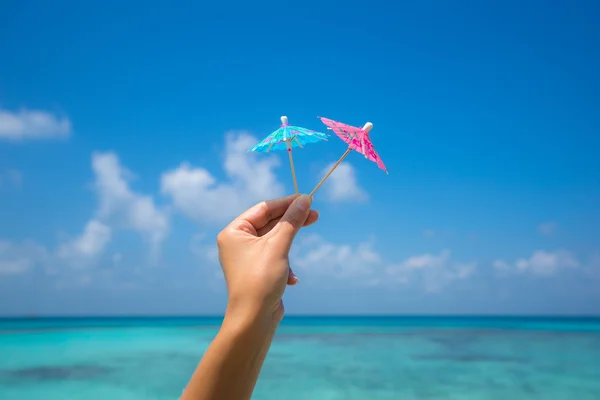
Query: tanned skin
point(253, 252)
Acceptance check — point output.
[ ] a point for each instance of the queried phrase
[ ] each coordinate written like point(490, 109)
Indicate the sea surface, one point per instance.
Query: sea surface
point(312, 358)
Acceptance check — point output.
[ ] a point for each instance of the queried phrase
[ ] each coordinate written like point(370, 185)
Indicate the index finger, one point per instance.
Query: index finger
point(260, 214)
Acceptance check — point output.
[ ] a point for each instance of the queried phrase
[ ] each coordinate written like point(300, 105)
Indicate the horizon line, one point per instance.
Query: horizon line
point(430, 315)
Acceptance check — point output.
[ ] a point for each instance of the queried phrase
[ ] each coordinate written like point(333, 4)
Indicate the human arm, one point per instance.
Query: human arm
point(230, 367)
point(253, 251)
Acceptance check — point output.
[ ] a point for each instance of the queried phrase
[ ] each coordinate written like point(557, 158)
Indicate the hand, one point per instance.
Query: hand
point(253, 251)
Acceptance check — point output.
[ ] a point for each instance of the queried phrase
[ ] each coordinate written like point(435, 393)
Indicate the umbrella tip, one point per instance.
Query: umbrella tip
point(284, 120)
point(368, 126)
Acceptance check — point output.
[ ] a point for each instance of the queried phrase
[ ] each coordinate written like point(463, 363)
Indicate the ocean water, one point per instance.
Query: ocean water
point(312, 358)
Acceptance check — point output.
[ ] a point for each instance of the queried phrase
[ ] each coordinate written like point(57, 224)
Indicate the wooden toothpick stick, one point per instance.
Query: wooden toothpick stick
point(331, 171)
point(288, 144)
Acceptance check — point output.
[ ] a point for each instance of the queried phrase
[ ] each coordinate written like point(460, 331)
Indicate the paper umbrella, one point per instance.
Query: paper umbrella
point(287, 137)
point(357, 140)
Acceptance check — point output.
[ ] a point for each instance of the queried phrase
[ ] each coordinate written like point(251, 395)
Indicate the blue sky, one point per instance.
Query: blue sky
point(123, 129)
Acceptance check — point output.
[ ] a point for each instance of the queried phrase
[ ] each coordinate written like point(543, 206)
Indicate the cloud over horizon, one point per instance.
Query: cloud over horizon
point(122, 206)
point(541, 263)
point(32, 124)
point(202, 197)
point(368, 267)
point(88, 246)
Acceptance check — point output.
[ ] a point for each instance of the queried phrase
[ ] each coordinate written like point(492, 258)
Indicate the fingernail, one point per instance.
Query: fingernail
point(294, 277)
point(303, 203)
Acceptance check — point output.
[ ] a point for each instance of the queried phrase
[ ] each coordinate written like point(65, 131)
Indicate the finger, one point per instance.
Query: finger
point(292, 278)
point(294, 218)
point(312, 218)
point(260, 214)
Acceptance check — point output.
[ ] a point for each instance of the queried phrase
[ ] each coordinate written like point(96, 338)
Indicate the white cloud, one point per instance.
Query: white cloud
point(501, 265)
point(547, 228)
point(362, 264)
point(32, 124)
point(434, 271)
point(15, 267)
point(200, 196)
point(19, 258)
point(540, 263)
point(342, 184)
point(122, 206)
point(546, 263)
point(11, 177)
point(338, 260)
point(88, 246)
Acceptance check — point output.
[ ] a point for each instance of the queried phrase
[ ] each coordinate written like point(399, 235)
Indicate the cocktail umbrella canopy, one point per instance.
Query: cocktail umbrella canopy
point(288, 137)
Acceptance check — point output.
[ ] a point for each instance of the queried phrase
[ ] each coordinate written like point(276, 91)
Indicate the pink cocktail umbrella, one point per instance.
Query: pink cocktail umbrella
point(357, 139)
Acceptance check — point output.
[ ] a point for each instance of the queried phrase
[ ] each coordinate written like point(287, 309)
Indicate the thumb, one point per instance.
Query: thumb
point(294, 218)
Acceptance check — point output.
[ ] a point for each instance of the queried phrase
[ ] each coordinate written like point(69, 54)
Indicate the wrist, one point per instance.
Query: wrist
point(242, 318)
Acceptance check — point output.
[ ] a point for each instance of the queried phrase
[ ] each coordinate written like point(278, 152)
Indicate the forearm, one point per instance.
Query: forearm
point(232, 363)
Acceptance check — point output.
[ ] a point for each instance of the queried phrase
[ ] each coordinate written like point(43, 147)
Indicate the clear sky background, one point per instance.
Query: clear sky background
point(124, 128)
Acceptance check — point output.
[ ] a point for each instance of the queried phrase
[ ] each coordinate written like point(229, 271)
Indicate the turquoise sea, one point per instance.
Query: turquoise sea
point(312, 358)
